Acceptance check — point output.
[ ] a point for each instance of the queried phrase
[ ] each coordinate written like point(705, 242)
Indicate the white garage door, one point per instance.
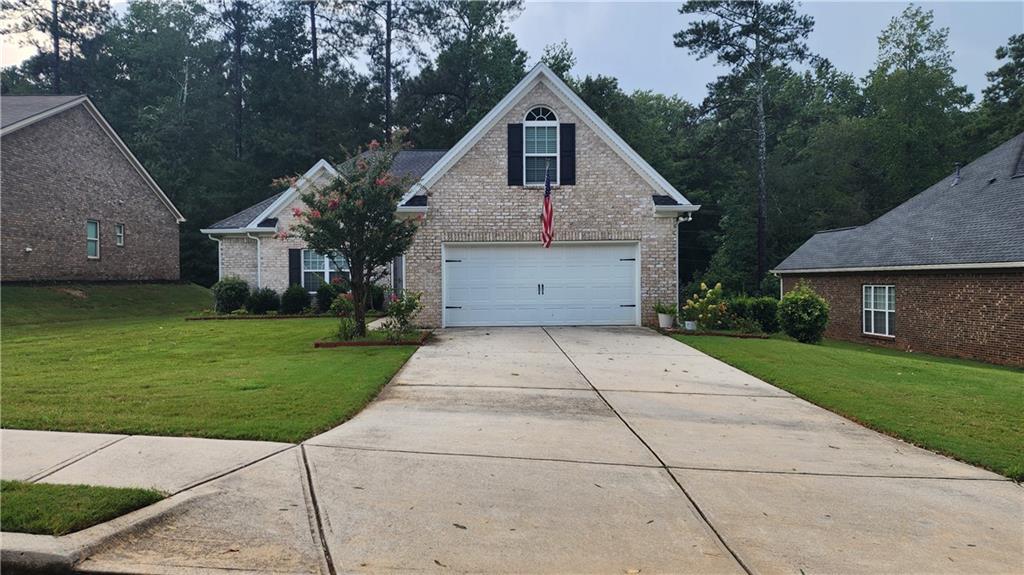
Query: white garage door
point(520, 284)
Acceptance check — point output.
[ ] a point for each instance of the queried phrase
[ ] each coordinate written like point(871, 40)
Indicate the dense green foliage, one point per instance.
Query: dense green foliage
point(45, 509)
point(965, 409)
point(294, 300)
point(230, 294)
point(263, 300)
point(197, 89)
point(90, 302)
point(803, 314)
point(762, 311)
point(125, 369)
point(326, 294)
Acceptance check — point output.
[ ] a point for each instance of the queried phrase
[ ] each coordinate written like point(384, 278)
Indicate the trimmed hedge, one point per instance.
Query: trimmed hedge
point(325, 295)
point(262, 300)
point(803, 314)
point(229, 294)
point(294, 300)
point(760, 310)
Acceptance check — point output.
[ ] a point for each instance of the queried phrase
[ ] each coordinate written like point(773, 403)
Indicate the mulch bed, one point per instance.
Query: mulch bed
point(718, 333)
point(373, 343)
point(276, 316)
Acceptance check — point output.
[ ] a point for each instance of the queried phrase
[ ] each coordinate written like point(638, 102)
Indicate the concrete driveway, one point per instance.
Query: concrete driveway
point(529, 450)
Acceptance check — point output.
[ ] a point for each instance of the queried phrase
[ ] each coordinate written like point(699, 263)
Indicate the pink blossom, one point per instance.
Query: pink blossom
point(282, 235)
point(359, 203)
point(361, 164)
point(315, 213)
point(296, 212)
point(384, 180)
point(333, 204)
point(374, 144)
point(393, 298)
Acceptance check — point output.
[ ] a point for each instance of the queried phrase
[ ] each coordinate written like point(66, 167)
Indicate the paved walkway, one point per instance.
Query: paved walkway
point(566, 450)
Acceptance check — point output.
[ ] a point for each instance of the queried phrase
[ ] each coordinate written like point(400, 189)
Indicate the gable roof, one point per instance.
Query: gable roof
point(17, 112)
point(408, 164)
point(16, 109)
point(541, 73)
point(978, 222)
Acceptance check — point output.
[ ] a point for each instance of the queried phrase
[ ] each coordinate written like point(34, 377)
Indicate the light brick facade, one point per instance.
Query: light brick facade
point(58, 173)
point(472, 202)
point(610, 201)
point(970, 314)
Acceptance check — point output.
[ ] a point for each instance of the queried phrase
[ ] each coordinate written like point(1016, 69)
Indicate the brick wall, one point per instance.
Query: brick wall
point(610, 201)
point(60, 172)
point(976, 315)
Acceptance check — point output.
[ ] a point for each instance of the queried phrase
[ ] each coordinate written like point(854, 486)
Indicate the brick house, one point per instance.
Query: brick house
point(76, 204)
point(942, 273)
point(477, 256)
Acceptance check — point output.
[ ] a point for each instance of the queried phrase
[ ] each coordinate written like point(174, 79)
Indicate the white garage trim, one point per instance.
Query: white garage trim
point(634, 244)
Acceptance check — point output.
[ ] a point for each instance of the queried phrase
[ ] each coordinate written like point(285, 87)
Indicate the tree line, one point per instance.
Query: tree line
point(219, 98)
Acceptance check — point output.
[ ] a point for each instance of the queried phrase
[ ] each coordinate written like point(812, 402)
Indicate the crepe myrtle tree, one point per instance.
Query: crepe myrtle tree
point(353, 216)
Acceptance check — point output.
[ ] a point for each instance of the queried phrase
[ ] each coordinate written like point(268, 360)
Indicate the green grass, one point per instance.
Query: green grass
point(965, 409)
point(106, 364)
point(45, 509)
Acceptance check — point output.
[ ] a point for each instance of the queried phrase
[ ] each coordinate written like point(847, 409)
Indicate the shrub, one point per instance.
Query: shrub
point(708, 307)
point(747, 310)
point(346, 329)
point(263, 300)
point(765, 311)
point(325, 296)
point(229, 294)
point(803, 314)
point(342, 306)
point(400, 312)
point(294, 300)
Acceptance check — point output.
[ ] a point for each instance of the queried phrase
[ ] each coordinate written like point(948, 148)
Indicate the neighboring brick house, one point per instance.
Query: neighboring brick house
point(76, 204)
point(477, 256)
point(942, 273)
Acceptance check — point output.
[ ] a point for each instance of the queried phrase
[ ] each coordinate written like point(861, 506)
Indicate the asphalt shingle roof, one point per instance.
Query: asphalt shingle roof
point(978, 220)
point(410, 165)
point(14, 109)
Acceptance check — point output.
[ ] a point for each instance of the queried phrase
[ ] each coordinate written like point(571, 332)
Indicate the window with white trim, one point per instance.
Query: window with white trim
point(119, 234)
point(318, 269)
point(879, 310)
point(540, 146)
point(92, 239)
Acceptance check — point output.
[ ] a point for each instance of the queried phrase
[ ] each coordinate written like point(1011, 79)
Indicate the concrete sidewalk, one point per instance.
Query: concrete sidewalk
point(561, 450)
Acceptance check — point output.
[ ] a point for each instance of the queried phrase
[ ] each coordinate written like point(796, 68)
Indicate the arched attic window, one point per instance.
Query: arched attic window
point(540, 146)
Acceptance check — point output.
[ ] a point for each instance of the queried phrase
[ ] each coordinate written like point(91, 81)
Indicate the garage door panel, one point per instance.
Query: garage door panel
point(584, 284)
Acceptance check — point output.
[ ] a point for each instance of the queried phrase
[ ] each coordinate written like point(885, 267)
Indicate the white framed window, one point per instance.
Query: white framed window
point(92, 239)
point(879, 305)
point(319, 269)
point(119, 234)
point(540, 146)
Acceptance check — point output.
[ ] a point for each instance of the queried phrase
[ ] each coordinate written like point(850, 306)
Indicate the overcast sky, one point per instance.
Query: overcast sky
point(632, 41)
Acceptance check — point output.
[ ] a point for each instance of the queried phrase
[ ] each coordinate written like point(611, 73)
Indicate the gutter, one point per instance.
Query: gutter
point(971, 266)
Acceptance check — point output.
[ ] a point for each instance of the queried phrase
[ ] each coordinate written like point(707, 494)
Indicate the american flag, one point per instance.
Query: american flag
point(547, 234)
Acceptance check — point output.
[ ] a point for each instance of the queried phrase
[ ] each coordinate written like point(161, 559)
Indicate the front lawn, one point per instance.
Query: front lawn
point(969, 410)
point(117, 362)
point(45, 509)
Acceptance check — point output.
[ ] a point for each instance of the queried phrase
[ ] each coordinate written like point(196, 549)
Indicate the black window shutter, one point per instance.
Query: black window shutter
point(567, 154)
point(515, 154)
point(294, 267)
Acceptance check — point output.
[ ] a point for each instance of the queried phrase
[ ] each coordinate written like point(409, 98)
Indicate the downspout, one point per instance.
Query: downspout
point(220, 266)
point(259, 260)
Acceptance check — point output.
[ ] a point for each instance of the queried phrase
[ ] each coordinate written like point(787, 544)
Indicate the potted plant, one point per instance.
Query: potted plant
point(666, 314)
point(689, 315)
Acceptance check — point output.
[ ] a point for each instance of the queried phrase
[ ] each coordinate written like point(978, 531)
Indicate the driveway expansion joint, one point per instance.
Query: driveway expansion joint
point(843, 475)
point(664, 466)
point(319, 523)
point(73, 460)
point(485, 456)
point(237, 468)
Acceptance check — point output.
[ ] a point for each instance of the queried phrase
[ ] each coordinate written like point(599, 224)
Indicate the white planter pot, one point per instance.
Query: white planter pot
point(690, 325)
point(665, 320)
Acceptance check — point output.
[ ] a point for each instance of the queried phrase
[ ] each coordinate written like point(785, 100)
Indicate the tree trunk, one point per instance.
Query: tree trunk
point(312, 37)
point(237, 36)
point(55, 36)
point(762, 156)
point(762, 188)
point(387, 72)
